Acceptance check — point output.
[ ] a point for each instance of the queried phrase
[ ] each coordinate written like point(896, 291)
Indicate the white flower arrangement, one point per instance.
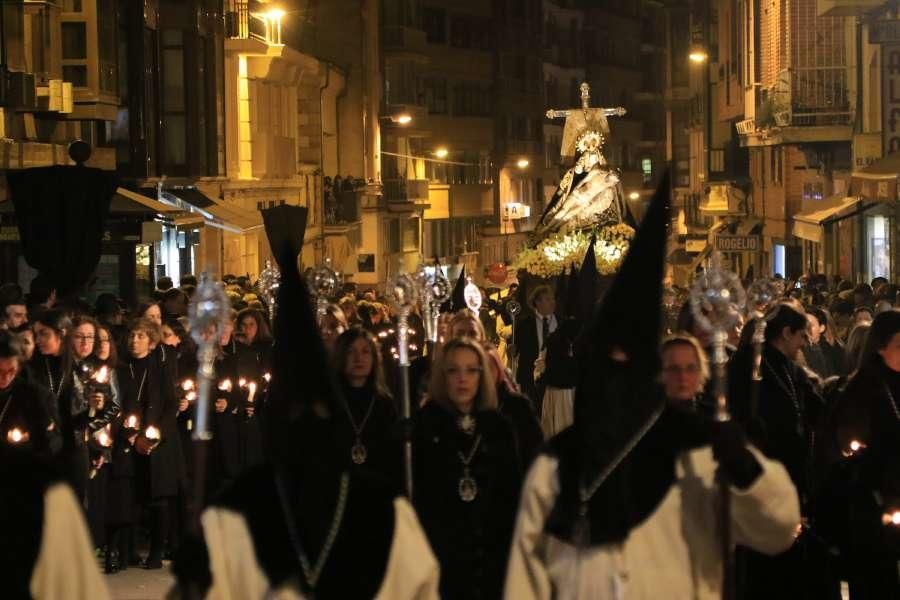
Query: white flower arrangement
point(555, 254)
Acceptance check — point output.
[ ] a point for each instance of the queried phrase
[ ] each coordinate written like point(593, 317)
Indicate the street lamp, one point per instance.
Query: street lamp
point(273, 18)
point(634, 196)
point(441, 153)
point(403, 119)
point(698, 54)
point(522, 163)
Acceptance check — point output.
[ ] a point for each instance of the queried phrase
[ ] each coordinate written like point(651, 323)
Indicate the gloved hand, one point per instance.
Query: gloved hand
point(729, 445)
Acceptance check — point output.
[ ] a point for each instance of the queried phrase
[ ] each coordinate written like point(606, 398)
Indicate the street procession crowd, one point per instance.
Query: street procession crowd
point(560, 447)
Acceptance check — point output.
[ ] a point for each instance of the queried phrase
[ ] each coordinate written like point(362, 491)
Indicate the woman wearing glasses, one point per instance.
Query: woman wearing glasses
point(467, 473)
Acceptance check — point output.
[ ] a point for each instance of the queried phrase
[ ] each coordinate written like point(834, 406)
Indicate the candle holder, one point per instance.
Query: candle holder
point(324, 283)
point(267, 284)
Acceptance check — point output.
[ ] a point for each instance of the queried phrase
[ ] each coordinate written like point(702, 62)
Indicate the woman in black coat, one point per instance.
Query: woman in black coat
point(147, 382)
point(467, 474)
point(254, 361)
point(366, 428)
point(863, 480)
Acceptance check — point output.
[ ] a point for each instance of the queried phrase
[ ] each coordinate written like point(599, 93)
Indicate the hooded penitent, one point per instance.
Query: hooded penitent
point(302, 391)
point(457, 299)
point(616, 398)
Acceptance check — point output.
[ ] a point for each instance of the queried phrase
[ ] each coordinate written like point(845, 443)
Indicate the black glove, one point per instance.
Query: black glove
point(736, 462)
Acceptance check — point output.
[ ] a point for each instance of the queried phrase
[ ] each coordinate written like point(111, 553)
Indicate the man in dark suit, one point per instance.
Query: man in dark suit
point(532, 332)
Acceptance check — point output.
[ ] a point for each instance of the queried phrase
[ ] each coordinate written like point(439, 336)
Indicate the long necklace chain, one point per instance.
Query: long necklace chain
point(137, 400)
point(50, 379)
point(362, 425)
point(466, 459)
point(893, 402)
point(311, 574)
point(790, 391)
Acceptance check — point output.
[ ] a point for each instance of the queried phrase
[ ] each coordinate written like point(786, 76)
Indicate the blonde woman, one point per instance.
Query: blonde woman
point(467, 473)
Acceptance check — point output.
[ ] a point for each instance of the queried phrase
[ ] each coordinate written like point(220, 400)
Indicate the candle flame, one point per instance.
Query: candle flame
point(891, 518)
point(242, 382)
point(252, 387)
point(855, 447)
point(191, 396)
point(16, 435)
point(225, 385)
point(267, 377)
point(152, 433)
point(102, 374)
point(103, 438)
point(187, 385)
point(131, 422)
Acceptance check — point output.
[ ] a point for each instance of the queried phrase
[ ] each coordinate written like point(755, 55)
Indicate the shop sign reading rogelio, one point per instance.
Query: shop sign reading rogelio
point(737, 243)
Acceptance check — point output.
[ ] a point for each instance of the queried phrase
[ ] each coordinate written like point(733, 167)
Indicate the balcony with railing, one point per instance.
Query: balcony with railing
point(409, 192)
point(245, 20)
point(807, 104)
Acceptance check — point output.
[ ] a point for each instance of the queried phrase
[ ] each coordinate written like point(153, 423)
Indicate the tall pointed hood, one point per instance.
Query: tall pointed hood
point(457, 300)
point(302, 384)
point(616, 394)
point(571, 305)
point(588, 284)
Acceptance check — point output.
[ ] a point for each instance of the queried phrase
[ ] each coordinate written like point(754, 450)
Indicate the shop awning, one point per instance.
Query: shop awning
point(151, 203)
point(878, 181)
point(810, 225)
point(210, 211)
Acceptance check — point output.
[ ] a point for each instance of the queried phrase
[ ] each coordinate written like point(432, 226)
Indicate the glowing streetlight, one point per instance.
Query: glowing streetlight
point(522, 163)
point(404, 119)
point(275, 14)
point(634, 196)
point(698, 54)
point(441, 153)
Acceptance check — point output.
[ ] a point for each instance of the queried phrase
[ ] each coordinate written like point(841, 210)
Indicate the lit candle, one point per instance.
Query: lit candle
point(102, 437)
point(252, 387)
point(132, 422)
point(187, 385)
point(191, 396)
point(225, 385)
point(102, 374)
point(16, 436)
point(855, 447)
point(891, 518)
point(242, 382)
point(152, 433)
point(267, 377)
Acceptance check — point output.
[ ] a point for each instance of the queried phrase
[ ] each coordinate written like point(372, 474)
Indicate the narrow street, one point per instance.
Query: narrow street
point(140, 584)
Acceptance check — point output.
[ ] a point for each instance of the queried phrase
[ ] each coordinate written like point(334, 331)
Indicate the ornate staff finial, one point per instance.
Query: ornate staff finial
point(585, 95)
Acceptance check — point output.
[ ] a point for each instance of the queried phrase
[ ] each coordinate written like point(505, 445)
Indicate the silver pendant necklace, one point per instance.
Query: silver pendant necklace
point(468, 487)
point(358, 452)
point(466, 424)
point(311, 574)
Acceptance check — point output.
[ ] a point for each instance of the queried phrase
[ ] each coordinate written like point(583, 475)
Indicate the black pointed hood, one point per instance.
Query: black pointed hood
point(457, 300)
point(571, 305)
point(588, 284)
point(617, 393)
point(302, 383)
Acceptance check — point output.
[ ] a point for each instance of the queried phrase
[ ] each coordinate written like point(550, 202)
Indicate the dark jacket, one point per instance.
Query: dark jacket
point(470, 539)
point(158, 474)
point(379, 436)
point(24, 406)
point(517, 408)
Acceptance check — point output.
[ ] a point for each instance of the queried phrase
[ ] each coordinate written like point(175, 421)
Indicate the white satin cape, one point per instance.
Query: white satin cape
point(66, 568)
point(673, 554)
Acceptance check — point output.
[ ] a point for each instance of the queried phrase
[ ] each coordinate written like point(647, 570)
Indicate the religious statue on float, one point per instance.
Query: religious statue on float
point(588, 201)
